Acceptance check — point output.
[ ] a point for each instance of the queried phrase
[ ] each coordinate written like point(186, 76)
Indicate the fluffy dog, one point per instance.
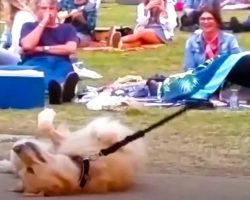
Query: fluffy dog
point(51, 168)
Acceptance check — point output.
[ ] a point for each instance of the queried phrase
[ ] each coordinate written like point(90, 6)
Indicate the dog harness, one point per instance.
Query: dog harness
point(84, 165)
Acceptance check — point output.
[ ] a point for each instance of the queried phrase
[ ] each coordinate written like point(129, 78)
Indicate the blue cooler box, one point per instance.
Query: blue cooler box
point(21, 87)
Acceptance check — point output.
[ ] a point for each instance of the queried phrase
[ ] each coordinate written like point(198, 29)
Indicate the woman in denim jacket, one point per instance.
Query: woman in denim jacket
point(208, 42)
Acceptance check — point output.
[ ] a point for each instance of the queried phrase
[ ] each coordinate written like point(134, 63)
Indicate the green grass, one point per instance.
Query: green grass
point(199, 142)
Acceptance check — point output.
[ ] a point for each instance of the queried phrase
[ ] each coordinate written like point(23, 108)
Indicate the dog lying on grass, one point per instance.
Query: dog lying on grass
point(50, 168)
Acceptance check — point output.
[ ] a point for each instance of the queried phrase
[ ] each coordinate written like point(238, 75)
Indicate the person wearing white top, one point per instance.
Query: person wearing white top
point(17, 14)
point(154, 25)
point(168, 22)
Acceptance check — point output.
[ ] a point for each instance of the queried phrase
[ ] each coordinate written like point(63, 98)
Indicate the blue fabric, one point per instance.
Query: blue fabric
point(195, 48)
point(54, 67)
point(201, 82)
point(132, 91)
point(197, 4)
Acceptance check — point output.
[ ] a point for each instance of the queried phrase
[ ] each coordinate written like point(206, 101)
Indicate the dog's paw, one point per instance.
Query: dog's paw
point(45, 119)
point(40, 194)
point(48, 114)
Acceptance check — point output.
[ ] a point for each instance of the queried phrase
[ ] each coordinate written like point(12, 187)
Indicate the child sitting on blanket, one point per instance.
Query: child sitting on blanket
point(156, 22)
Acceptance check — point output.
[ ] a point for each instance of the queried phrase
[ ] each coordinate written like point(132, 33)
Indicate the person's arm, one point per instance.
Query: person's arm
point(164, 17)
point(142, 15)
point(68, 48)
point(20, 19)
point(31, 40)
point(62, 49)
point(90, 17)
point(189, 62)
point(234, 46)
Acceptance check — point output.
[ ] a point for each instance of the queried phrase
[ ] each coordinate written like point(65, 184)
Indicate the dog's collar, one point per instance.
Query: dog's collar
point(83, 164)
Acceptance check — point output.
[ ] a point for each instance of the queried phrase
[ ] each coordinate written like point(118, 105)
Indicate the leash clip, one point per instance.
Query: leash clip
point(95, 156)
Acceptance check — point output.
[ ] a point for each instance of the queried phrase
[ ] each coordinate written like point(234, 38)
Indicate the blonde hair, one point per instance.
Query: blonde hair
point(11, 7)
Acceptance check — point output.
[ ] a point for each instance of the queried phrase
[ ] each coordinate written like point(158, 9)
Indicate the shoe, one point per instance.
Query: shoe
point(55, 92)
point(112, 31)
point(116, 40)
point(69, 86)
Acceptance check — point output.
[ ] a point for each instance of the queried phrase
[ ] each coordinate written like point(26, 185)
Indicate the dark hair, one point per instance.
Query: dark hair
point(214, 12)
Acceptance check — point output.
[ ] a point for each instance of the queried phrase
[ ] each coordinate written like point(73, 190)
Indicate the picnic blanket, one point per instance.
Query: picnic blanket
point(111, 49)
point(200, 83)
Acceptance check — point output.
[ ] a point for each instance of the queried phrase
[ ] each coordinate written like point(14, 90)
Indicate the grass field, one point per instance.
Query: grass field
point(199, 142)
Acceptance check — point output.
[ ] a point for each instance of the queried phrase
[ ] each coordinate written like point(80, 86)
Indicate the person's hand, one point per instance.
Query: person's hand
point(46, 19)
point(152, 4)
point(62, 15)
point(36, 49)
point(75, 13)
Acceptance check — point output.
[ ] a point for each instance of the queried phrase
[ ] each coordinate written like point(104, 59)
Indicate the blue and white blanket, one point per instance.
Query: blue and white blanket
point(199, 83)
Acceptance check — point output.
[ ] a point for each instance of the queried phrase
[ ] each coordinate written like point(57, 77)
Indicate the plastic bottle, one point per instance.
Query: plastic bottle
point(234, 100)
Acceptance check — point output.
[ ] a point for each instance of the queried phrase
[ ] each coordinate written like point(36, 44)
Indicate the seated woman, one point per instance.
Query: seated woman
point(209, 41)
point(47, 46)
point(16, 13)
point(82, 15)
point(154, 26)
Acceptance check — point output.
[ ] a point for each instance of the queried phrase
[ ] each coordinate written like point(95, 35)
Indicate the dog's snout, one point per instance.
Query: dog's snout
point(18, 148)
point(31, 145)
point(35, 150)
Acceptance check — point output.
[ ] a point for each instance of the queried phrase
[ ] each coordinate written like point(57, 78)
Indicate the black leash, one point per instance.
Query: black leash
point(140, 133)
point(113, 148)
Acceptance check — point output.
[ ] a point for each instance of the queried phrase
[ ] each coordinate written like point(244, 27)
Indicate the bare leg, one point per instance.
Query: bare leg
point(145, 36)
point(132, 44)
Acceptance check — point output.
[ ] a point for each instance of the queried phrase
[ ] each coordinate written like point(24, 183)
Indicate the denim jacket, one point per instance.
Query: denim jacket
point(195, 4)
point(195, 48)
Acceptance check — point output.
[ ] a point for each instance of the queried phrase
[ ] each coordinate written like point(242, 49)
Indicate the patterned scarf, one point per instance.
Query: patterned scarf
point(211, 47)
